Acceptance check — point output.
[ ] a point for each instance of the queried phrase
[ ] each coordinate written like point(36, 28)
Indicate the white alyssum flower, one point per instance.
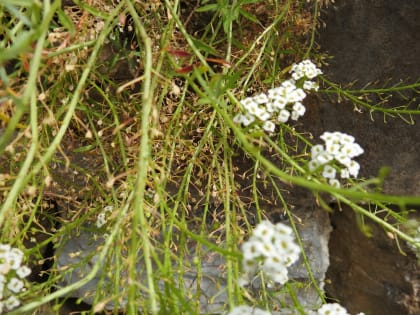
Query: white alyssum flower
point(333, 309)
point(305, 68)
point(23, 272)
point(310, 86)
point(15, 285)
point(279, 103)
point(11, 302)
point(12, 273)
point(336, 155)
point(247, 310)
point(269, 126)
point(270, 249)
point(103, 217)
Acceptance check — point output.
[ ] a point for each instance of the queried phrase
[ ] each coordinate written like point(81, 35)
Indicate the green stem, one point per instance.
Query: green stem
point(144, 159)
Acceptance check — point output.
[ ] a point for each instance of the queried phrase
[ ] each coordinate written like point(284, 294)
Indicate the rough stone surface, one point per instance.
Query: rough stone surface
point(376, 43)
point(369, 274)
point(81, 248)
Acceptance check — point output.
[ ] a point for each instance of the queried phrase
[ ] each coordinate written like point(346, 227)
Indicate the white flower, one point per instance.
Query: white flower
point(332, 309)
point(313, 165)
point(329, 172)
point(283, 229)
point(264, 231)
point(277, 272)
point(247, 102)
point(4, 267)
point(289, 86)
point(272, 249)
point(23, 272)
point(310, 85)
point(344, 173)
point(339, 147)
point(283, 116)
point(343, 159)
point(274, 93)
point(253, 108)
point(345, 138)
point(250, 251)
point(305, 68)
point(316, 149)
point(299, 108)
point(333, 147)
point(296, 96)
point(247, 310)
point(280, 103)
point(248, 119)
point(15, 285)
point(100, 220)
point(14, 258)
point(245, 120)
point(260, 98)
point(294, 115)
point(263, 114)
point(334, 182)
point(330, 136)
point(324, 157)
point(269, 126)
point(278, 100)
point(4, 250)
point(351, 149)
point(11, 302)
point(354, 168)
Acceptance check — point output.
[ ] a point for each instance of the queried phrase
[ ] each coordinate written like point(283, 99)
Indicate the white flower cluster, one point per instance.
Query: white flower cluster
point(247, 310)
point(326, 309)
point(103, 217)
point(280, 103)
point(332, 309)
point(304, 69)
point(271, 249)
point(339, 147)
point(12, 273)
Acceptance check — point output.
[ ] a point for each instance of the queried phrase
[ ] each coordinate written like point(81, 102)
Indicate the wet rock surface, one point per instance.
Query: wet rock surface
point(373, 42)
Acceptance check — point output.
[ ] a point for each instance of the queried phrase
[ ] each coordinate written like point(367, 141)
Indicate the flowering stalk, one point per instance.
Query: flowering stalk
point(270, 249)
point(337, 154)
point(280, 103)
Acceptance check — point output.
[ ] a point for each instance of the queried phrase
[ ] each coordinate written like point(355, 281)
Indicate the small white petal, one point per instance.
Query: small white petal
point(329, 172)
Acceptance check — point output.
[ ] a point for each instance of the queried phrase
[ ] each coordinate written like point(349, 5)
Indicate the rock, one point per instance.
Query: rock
point(375, 43)
point(369, 274)
point(80, 249)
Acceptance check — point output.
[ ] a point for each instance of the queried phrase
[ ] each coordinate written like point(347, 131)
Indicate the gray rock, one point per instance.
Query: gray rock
point(80, 252)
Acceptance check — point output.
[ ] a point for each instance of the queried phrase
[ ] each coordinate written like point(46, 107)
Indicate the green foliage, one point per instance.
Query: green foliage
point(229, 11)
point(160, 147)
